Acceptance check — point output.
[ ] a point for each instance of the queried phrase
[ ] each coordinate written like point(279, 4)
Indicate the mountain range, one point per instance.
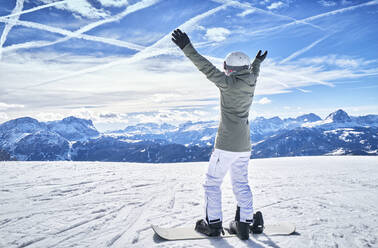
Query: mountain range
point(77, 139)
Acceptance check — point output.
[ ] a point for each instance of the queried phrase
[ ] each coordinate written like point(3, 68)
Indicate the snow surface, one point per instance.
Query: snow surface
point(332, 200)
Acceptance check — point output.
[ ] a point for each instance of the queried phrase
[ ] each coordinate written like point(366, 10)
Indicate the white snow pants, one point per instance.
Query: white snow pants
point(220, 162)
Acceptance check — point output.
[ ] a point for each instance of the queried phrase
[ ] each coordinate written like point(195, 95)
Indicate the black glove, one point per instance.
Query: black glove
point(261, 57)
point(180, 38)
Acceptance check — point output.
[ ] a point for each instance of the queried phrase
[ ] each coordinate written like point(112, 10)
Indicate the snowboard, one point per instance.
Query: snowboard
point(185, 233)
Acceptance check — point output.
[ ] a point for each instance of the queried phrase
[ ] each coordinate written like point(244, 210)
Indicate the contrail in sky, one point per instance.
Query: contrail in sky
point(305, 49)
point(80, 32)
point(311, 18)
point(8, 26)
point(35, 9)
point(248, 6)
point(151, 51)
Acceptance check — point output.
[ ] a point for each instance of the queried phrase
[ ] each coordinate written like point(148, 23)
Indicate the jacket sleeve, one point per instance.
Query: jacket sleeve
point(218, 77)
point(255, 70)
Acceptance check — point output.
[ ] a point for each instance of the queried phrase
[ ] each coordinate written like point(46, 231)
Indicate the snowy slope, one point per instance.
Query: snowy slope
point(332, 200)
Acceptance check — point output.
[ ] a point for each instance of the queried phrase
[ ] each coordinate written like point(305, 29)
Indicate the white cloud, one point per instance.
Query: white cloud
point(4, 106)
point(161, 91)
point(341, 61)
point(303, 90)
point(49, 116)
point(150, 84)
point(80, 7)
point(3, 117)
point(246, 12)
point(162, 97)
point(345, 63)
point(263, 2)
point(217, 34)
point(264, 100)
point(114, 3)
point(172, 116)
point(327, 3)
point(89, 114)
point(84, 113)
point(346, 2)
point(276, 5)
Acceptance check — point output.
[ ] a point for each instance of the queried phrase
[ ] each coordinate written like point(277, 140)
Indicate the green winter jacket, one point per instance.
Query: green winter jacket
point(236, 94)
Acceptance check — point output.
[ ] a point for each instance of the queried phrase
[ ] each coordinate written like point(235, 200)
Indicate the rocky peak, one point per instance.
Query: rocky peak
point(339, 116)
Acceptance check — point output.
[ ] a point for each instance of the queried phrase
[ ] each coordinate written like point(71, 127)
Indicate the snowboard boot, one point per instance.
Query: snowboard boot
point(258, 223)
point(212, 230)
point(241, 229)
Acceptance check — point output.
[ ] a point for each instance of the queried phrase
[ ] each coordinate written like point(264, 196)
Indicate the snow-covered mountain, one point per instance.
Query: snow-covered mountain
point(340, 119)
point(314, 141)
point(339, 116)
point(28, 139)
point(11, 132)
point(73, 128)
point(262, 127)
point(77, 139)
point(42, 145)
point(337, 134)
point(189, 133)
point(150, 128)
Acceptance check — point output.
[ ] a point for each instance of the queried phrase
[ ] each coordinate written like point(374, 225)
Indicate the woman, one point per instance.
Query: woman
point(232, 144)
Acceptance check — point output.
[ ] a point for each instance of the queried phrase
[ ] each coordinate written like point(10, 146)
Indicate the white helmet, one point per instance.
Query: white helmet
point(236, 61)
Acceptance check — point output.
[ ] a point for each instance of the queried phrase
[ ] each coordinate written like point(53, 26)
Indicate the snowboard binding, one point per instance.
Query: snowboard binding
point(212, 229)
point(242, 229)
point(258, 223)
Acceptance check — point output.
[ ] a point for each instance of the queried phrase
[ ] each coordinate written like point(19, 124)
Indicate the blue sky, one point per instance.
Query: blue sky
point(112, 60)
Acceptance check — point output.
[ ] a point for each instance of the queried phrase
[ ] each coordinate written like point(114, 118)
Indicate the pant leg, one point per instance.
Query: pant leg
point(218, 167)
point(241, 189)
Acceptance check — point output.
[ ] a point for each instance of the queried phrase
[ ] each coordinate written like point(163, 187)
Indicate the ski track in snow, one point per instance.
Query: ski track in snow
point(332, 200)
